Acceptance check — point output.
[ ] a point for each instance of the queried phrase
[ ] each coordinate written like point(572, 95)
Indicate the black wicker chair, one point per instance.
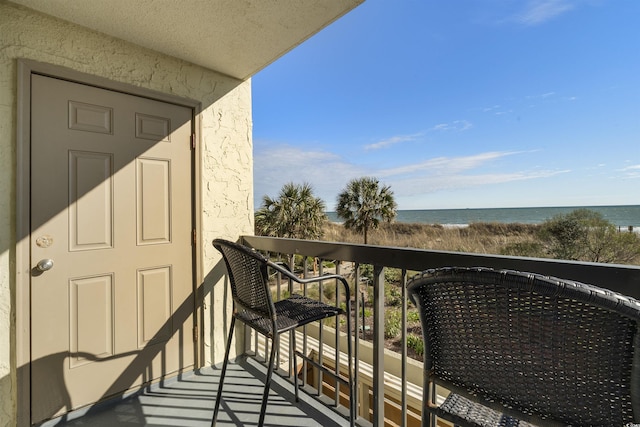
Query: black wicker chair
point(517, 349)
point(253, 305)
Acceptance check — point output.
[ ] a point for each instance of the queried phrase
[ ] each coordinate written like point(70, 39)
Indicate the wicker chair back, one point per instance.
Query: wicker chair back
point(540, 349)
point(247, 278)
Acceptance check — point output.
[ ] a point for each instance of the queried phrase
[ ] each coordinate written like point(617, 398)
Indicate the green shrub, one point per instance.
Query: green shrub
point(528, 249)
point(366, 273)
point(415, 343)
point(328, 264)
point(413, 316)
point(312, 292)
point(503, 229)
point(392, 323)
point(585, 235)
point(367, 312)
point(392, 295)
point(392, 275)
point(329, 291)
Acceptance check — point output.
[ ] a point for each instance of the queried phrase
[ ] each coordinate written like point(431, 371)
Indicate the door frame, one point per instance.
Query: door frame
point(26, 68)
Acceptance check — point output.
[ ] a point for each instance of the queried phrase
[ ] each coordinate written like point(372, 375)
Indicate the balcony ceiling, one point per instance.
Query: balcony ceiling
point(234, 37)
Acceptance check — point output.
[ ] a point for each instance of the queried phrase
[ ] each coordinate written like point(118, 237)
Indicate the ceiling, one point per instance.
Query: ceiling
point(234, 37)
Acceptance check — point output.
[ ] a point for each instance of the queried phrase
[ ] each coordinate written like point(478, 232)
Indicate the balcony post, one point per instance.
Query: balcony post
point(378, 346)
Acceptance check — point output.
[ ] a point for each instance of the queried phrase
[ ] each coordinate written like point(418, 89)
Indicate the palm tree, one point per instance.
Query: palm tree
point(295, 213)
point(363, 204)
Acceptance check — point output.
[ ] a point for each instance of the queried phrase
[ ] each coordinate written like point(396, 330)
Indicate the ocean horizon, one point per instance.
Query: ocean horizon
point(621, 216)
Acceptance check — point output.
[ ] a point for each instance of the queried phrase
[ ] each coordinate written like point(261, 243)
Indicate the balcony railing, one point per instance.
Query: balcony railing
point(392, 383)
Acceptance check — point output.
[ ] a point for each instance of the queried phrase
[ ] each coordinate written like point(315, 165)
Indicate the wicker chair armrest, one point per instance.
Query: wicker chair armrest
point(281, 264)
point(284, 270)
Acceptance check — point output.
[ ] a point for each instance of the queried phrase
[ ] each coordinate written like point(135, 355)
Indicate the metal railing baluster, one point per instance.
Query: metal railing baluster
point(378, 346)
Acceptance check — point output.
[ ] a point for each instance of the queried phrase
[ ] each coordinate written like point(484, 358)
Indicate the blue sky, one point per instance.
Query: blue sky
point(459, 104)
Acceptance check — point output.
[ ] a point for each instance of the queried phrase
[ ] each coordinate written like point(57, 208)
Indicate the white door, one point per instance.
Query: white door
point(111, 226)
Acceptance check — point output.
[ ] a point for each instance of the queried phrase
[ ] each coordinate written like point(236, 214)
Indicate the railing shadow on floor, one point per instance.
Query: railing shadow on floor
point(187, 401)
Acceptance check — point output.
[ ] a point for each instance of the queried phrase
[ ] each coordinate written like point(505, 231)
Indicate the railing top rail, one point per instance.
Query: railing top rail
point(624, 279)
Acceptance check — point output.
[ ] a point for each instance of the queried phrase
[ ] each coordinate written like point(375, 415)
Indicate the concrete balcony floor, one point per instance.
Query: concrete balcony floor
point(188, 400)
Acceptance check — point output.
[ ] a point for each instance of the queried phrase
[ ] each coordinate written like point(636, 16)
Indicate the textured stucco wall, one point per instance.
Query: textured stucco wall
point(226, 160)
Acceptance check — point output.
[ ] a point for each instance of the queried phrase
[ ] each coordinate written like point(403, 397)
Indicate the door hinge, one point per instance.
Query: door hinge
point(195, 334)
point(193, 141)
point(194, 235)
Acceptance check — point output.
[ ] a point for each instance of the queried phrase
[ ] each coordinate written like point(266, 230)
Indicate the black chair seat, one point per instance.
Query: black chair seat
point(478, 414)
point(292, 312)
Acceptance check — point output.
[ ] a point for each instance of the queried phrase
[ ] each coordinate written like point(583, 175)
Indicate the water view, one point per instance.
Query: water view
point(621, 216)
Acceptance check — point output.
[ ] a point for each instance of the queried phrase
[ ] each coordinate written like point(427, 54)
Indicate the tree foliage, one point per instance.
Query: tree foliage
point(364, 204)
point(295, 213)
point(585, 235)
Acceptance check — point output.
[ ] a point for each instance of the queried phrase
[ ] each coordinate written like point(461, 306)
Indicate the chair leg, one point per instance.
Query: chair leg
point(275, 343)
point(224, 371)
point(429, 391)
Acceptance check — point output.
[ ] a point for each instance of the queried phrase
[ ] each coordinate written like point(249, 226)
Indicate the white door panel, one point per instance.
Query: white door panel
point(111, 207)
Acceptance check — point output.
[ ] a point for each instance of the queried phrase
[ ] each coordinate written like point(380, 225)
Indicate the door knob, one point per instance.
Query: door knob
point(45, 264)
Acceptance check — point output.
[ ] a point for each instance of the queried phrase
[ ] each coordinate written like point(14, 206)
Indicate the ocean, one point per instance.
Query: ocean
point(621, 216)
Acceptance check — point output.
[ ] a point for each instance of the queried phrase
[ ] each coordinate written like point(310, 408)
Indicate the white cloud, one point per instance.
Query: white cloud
point(392, 141)
point(497, 110)
point(489, 109)
point(276, 165)
point(540, 11)
point(541, 96)
point(632, 172)
point(448, 173)
point(425, 184)
point(328, 173)
point(456, 125)
point(447, 165)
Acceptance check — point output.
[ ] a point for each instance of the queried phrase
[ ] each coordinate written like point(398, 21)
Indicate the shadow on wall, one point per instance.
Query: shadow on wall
point(6, 408)
point(218, 277)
